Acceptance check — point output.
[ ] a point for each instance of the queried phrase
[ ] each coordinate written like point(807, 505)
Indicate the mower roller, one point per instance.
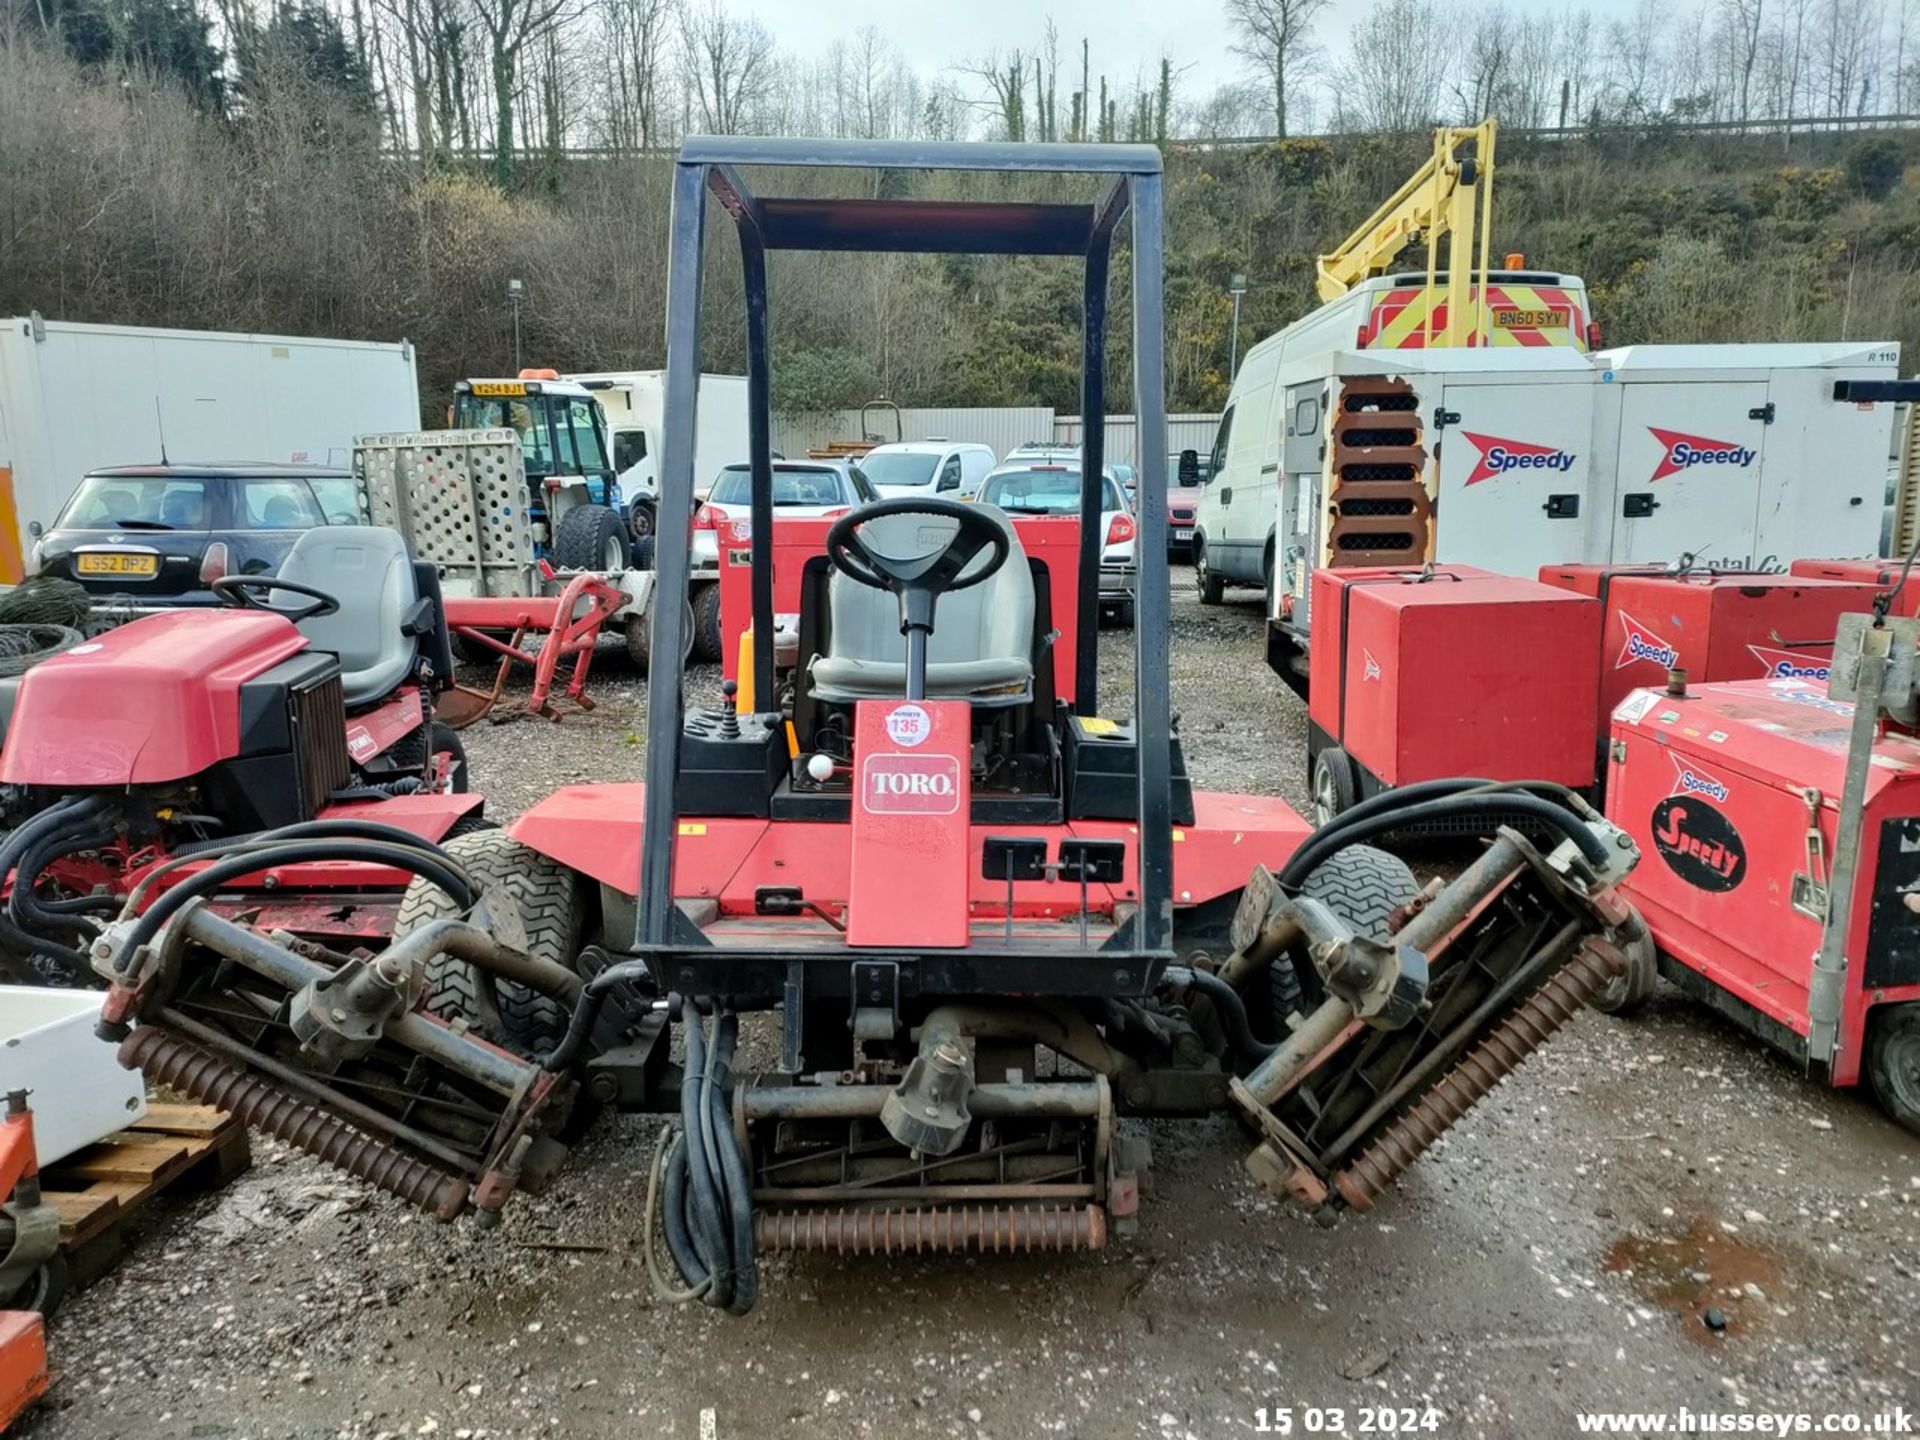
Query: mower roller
point(987, 923)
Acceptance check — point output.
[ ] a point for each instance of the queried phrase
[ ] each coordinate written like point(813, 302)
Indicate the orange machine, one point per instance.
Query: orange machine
point(32, 1270)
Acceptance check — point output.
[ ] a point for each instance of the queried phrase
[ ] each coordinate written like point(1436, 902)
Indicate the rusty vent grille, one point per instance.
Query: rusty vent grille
point(320, 740)
point(1378, 509)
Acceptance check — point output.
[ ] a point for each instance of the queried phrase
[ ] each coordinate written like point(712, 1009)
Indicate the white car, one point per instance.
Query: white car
point(1052, 487)
point(802, 490)
point(926, 467)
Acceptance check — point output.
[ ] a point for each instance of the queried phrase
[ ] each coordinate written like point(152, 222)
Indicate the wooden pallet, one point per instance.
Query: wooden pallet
point(98, 1190)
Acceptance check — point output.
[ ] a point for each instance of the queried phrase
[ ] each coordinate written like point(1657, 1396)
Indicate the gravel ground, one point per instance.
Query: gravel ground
point(1553, 1254)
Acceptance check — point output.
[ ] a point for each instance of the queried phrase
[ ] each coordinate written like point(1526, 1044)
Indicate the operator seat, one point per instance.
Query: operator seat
point(981, 648)
point(367, 569)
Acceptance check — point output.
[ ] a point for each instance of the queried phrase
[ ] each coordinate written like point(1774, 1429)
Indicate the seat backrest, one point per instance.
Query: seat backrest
point(367, 569)
point(184, 510)
point(988, 621)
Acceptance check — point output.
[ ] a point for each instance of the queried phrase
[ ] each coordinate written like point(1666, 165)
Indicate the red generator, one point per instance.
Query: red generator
point(1712, 624)
point(1881, 574)
point(1432, 673)
point(1734, 794)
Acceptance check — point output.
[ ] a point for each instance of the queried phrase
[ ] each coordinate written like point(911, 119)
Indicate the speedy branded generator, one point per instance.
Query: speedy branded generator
point(1422, 674)
point(1737, 795)
point(1714, 625)
point(1881, 574)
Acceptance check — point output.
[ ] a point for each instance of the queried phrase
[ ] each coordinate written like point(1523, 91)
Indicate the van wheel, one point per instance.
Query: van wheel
point(640, 519)
point(1213, 588)
point(1893, 1062)
point(1334, 785)
point(1266, 571)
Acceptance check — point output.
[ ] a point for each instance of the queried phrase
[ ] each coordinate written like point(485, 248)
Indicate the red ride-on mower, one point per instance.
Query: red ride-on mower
point(133, 759)
point(988, 923)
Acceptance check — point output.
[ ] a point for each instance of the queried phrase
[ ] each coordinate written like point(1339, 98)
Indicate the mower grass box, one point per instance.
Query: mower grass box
point(1713, 626)
point(1732, 793)
point(1419, 676)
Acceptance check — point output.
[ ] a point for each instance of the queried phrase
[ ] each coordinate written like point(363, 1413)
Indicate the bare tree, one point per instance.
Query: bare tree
point(727, 63)
point(636, 42)
point(1276, 37)
point(1006, 82)
point(1399, 70)
point(510, 25)
point(1742, 24)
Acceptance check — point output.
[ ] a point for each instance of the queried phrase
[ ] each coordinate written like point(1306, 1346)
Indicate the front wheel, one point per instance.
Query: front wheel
point(1334, 788)
point(1893, 1061)
point(1212, 587)
point(640, 519)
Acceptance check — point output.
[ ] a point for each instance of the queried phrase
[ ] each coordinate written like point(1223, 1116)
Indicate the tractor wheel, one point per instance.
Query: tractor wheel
point(708, 641)
point(590, 537)
point(643, 553)
point(1212, 587)
point(1363, 886)
point(1627, 993)
point(467, 652)
point(552, 905)
point(1335, 786)
point(1893, 1061)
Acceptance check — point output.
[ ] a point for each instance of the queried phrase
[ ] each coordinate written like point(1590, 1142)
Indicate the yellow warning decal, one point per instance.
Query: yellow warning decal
point(693, 827)
point(1096, 725)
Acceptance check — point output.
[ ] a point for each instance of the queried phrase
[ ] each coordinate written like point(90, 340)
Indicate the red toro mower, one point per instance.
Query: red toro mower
point(986, 922)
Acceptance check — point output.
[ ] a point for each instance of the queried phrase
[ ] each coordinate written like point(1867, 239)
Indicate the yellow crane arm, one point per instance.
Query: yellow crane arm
point(1437, 200)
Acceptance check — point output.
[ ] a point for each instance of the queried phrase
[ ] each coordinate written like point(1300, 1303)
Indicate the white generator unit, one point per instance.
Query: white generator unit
point(1741, 455)
point(76, 398)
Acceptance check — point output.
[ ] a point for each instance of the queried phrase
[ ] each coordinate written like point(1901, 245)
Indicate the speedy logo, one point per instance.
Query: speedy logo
point(1372, 670)
point(911, 785)
point(1498, 456)
point(1690, 779)
point(1640, 643)
point(1686, 451)
point(1785, 665)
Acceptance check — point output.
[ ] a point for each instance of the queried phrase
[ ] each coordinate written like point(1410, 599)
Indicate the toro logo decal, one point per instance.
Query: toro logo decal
point(1686, 451)
point(1698, 843)
point(1785, 665)
point(911, 785)
point(1690, 779)
point(1640, 643)
point(360, 743)
point(1498, 456)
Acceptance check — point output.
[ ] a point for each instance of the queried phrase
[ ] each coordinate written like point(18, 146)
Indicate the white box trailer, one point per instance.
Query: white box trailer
point(635, 402)
point(75, 397)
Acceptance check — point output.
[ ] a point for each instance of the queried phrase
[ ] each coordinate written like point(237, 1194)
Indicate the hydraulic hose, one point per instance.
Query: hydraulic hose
point(707, 1196)
point(1228, 1005)
point(1310, 856)
point(28, 910)
point(401, 857)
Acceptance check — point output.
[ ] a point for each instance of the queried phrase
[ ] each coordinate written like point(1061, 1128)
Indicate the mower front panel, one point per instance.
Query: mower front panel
point(913, 791)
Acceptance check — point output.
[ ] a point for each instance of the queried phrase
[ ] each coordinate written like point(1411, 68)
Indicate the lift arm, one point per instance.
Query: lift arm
point(1437, 199)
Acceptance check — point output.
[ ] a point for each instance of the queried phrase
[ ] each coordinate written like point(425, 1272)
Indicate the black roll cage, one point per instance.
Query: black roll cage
point(711, 166)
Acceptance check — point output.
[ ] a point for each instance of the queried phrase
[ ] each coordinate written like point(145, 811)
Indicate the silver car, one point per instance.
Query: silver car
point(1052, 487)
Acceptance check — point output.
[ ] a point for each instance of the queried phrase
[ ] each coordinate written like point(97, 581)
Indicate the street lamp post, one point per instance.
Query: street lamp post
point(1236, 287)
point(516, 292)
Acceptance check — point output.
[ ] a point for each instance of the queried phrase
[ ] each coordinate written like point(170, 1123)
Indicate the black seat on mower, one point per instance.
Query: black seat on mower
point(981, 648)
point(367, 569)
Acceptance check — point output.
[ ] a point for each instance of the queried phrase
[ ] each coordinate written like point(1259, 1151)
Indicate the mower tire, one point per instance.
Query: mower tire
point(1627, 993)
point(469, 652)
point(1363, 886)
point(44, 1290)
point(1893, 1062)
point(552, 905)
point(1335, 785)
point(439, 739)
point(590, 537)
point(708, 641)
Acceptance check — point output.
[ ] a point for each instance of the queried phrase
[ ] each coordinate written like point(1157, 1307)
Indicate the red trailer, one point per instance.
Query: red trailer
point(1738, 790)
point(1421, 674)
point(1881, 574)
point(1712, 624)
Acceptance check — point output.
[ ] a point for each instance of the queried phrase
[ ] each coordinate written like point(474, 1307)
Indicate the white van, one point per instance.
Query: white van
point(927, 467)
point(635, 402)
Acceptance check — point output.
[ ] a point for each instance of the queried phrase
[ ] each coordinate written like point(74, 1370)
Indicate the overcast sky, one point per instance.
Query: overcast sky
point(1126, 34)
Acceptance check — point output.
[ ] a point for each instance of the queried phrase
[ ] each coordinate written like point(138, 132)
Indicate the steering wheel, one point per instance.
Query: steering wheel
point(936, 573)
point(248, 592)
point(918, 581)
